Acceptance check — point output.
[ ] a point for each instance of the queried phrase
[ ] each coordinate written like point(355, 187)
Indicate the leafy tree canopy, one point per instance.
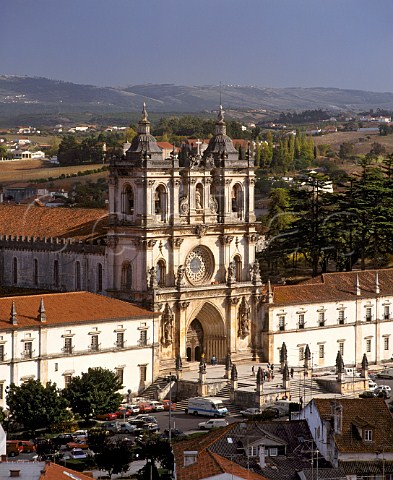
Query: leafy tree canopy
point(94, 392)
point(115, 457)
point(35, 405)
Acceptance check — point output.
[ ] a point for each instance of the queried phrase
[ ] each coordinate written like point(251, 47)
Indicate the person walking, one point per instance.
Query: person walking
point(292, 372)
point(253, 371)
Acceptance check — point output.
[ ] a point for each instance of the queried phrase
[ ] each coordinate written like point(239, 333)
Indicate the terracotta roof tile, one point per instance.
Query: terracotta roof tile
point(66, 308)
point(338, 286)
point(52, 471)
point(369, 412)
point(35, 221)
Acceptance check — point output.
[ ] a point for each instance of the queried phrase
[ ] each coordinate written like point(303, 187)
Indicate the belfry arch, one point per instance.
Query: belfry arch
point(206, 335)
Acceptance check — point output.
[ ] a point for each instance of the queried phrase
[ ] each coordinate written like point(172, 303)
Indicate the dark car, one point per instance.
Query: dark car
point(272, 412)
point(175, 433)
point(367, 394)
point(146, 428)
point(63, 439)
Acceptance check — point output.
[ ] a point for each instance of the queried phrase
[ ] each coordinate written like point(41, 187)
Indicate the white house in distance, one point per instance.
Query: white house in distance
point(350, 312)
point(55, 336)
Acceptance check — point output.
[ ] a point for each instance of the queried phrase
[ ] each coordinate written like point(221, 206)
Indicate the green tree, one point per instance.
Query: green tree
point(157, 450)
point(115, 456)
point(35, 405)
point(94, 392)
point(346, 150)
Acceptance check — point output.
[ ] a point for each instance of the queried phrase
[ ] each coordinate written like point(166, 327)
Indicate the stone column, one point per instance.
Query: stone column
point(339, 368)
point(233, 382)
point(228, 366)
point(285, 378)
point(179, 368)
point(307, 362)
point(283, 357)
point(260, 400)
point(202, 387)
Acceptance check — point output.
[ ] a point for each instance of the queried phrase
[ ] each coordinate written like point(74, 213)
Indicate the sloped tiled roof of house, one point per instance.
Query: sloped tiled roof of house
point(338, 286)
point(34, 221)
point(65, 308)
point(371, 413)
point(52, 471)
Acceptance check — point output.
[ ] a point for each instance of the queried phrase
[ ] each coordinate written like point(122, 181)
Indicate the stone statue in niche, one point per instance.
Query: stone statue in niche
point(181, 270)
point(184, 207)
point(198, 204)
point(153, 277)
point(213, 205)
point(167, 325)
point(244, 318)
point(231, 272)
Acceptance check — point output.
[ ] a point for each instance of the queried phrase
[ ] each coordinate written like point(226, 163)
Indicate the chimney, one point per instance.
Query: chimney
point(41, 312)
point(377, 283)
point(358, 292)
point(13, 318)
point(190, 457)
point(261, 451)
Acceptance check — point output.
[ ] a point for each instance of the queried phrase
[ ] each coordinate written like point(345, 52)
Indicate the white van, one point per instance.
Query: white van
point(213, 423)
point(208, 406)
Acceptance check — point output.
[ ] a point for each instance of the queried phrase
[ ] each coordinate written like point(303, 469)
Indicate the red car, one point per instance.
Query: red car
point(123, 412)
point(168, 404)
point(145, 408)
point(106, 416)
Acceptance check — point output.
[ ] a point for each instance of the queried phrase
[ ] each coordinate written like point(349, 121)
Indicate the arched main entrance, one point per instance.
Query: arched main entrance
point(194, 341)
point(206, 335)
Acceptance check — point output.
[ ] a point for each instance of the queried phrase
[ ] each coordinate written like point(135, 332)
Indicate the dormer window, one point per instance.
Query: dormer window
point(368, 435)
point(321, 319)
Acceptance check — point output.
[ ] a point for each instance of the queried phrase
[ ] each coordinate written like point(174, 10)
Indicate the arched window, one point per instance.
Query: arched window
point(35, 272)
point(78, 276)
point(56, 273)
point(161, 273)
point(237, 200)
point(238, 268)
point(128, 200)
point(199, 198)
point(15, 270)
point(99, 277)
point(160, 203)
point(126, 276)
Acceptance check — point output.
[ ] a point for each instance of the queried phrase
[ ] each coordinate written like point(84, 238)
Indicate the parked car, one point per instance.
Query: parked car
point(250, 412)
point(213, 423)
point(274, 412)
point(175, 433)
point(63, 439)
point(146, 428)
point(382, 392)
point(12, 449)
point(146, 418)
point(368, 394)
point(76, 454)
point(112, 427)
point(132, 408)
point(168, 404)
point(372, 385)
point(385, 387)
point(107, 416)
point(145, 407)
point(123, 413)
point(126, 427)
point(157, 406)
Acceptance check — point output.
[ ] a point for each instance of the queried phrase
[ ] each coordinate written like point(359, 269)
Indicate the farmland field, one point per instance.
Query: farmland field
point(31, 170)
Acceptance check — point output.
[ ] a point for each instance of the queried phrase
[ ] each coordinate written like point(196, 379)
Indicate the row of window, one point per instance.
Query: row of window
point(341, 320)
point(68, 346)
point(56, 275)
point(321, 348)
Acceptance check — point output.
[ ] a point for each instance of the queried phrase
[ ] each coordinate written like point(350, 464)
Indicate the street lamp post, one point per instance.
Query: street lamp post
point(171, 378)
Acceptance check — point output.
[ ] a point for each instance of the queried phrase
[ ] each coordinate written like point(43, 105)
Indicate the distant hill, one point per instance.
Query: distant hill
point(36, 95)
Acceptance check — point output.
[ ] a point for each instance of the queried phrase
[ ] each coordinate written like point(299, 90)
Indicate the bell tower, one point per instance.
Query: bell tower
point(182, 242)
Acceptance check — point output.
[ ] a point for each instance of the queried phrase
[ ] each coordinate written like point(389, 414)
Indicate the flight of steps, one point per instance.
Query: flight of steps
point(306, 389)
point(151, 390)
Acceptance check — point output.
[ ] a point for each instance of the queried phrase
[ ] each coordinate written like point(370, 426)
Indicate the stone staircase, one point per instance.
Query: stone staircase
point(306, 389)
point(151, 391)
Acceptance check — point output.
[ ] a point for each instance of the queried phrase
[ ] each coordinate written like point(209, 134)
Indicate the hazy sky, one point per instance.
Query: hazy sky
point(270, 43)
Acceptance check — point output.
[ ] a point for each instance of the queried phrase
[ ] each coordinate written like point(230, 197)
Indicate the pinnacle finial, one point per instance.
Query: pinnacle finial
point(41, 311)
point(358, 291)
point(377, 283)
point(144, 113)
point(221, 114)
point(13, 317)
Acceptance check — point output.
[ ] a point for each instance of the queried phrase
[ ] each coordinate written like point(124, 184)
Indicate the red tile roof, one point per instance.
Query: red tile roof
point(66, 308)
point(369, 412)
point(35, 221)
point(52, 471)
point(331, 287)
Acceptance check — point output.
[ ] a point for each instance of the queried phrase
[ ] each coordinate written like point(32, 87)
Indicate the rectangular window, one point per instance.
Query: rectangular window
point(1, 391)
point(273, 452)
point(143, 369)
point(386, 312)
point(67, 380)
point(368, 435)
point(368, 346)
point(28, 350)
point(386, 343)
point(341, 318)
point(94, 347)
point(120, 374)
point(143, 338)
point(301, 320)
point(301, 353)
point(68, 345)
point(321, 351)
point(2, 355)
point(321, 319)
point(341, 348)
point(252, 451)
point(120, 340)
point(368, 314)
point(281, 323)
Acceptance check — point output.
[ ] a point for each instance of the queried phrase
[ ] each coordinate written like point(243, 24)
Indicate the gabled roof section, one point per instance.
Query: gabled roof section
point(367, 413)
point(84, 224)
point(66, 308)
point(338, 286)
point(52, 471)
